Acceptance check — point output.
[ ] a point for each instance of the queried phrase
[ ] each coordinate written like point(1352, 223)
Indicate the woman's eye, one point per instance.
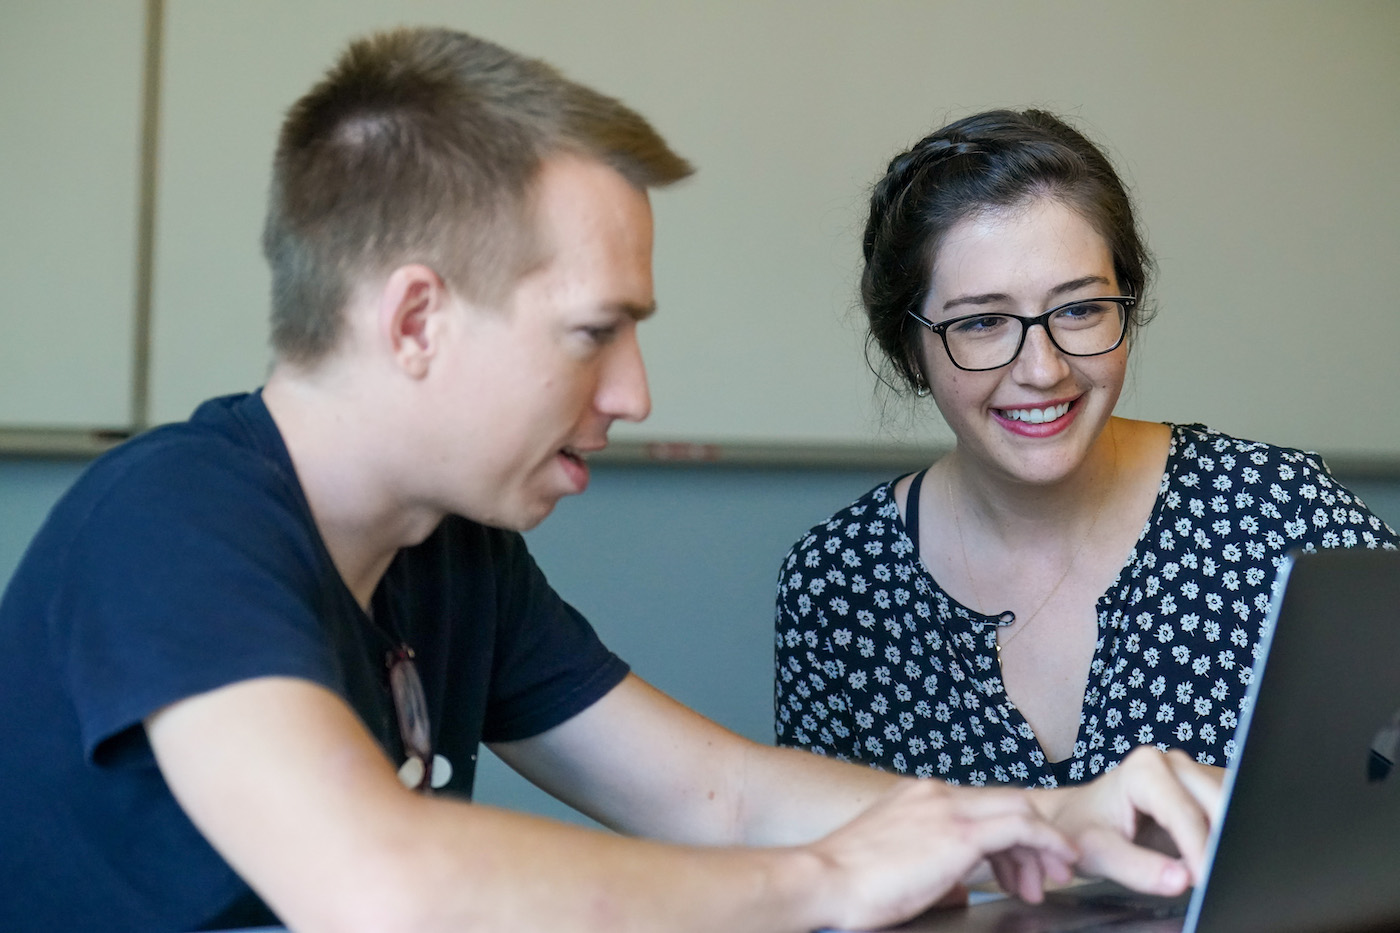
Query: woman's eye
point(1084, 312)
point(982, 324)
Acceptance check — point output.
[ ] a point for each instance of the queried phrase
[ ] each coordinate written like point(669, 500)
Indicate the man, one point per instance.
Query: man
point(251, 656)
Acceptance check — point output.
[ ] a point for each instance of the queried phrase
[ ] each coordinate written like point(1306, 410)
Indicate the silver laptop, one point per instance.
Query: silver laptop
point(1310, 841)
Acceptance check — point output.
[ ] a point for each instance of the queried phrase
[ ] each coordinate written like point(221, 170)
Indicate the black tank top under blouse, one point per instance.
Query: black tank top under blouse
point(911, 524)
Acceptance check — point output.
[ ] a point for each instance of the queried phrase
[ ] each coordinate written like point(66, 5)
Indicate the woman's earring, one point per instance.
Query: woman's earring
point(922, 389)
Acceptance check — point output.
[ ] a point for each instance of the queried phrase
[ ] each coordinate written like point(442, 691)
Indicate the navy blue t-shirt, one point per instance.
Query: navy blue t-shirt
point(186, 560)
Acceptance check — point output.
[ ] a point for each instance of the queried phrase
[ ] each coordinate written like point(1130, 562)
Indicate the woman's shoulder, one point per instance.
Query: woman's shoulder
point(1211, 464)
point(1198, 446)
point(1286, 487)
point(873, 514)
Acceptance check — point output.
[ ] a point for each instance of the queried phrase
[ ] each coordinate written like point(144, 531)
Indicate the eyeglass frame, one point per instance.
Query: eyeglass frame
point(1043, 319)
point(411, 711)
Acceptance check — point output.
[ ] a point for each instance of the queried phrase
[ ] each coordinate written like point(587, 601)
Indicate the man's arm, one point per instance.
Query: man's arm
point(640, 762)
point(285, 782)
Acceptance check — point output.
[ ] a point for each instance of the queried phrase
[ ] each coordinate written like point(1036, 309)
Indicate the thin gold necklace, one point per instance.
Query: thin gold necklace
point(967, 567)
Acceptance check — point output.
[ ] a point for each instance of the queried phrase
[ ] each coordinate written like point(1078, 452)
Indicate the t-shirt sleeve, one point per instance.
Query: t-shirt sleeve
point(549, 664)
point(182, 575)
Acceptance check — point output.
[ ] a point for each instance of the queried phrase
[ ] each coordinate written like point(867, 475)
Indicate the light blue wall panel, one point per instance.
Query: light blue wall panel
point(675, 566)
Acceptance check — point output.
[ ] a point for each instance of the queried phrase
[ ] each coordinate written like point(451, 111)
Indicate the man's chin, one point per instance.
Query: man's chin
point(533, 521)
point(521, 510)
point(528, 516)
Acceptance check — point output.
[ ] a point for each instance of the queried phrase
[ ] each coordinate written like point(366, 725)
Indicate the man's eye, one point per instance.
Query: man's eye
point(600, 335)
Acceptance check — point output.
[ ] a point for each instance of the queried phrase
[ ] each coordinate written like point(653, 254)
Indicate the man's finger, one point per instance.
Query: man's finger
point(1204, 783)
point(1109, 855)
point(1159, 793)
point(999, 834)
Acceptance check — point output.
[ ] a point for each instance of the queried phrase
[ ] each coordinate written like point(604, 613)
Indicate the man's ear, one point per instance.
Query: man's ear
point(412, 307)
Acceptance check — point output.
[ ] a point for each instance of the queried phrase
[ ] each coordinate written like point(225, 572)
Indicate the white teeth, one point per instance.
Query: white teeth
point(1036, 415)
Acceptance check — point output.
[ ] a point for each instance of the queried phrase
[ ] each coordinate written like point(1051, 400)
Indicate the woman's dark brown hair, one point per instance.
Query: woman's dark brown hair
point(994, 160)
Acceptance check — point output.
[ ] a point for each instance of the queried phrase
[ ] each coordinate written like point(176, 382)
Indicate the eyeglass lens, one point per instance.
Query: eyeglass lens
point(989, 341)
point(411, 707)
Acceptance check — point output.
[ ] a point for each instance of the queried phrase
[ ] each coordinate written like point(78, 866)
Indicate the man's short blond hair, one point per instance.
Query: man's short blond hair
point(422, 145)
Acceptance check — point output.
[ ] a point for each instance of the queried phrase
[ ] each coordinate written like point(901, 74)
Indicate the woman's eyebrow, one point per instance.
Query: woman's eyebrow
point(1079, 283)
point(1063, 288)
point(986, 299)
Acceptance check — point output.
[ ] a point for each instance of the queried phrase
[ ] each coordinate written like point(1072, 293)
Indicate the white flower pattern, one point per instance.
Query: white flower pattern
point(876, 663)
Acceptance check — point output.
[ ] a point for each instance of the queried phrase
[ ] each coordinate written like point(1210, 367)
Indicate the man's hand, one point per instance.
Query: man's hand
point(1127, 822)
point(922, 838)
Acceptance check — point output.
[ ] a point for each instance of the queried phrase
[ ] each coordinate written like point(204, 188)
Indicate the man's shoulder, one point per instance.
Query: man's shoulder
point(169, 491)
point(194, 459)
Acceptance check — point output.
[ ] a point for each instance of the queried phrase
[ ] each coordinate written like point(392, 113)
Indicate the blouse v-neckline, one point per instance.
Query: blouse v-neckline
point(986, 625)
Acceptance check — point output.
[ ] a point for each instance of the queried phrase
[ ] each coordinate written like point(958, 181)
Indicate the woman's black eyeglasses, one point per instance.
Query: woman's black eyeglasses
point(991, 340)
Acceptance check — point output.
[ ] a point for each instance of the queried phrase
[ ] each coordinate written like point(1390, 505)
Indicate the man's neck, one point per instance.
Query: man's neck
point(344, 463)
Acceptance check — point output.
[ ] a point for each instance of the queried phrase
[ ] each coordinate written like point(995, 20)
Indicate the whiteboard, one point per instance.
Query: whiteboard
point(1262, 138)
point(70, 134)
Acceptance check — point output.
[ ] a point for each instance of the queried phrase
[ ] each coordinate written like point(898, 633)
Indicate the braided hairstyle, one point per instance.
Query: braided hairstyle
point(988, 161)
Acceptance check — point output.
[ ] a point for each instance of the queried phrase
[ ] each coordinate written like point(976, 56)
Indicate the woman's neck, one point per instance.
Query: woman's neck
point(1015, 512)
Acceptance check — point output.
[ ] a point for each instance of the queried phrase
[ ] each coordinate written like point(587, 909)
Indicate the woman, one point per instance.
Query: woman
point(1065, 584)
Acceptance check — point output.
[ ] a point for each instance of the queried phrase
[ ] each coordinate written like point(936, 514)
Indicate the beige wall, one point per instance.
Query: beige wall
point(70, 123)
point(1261, 135)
